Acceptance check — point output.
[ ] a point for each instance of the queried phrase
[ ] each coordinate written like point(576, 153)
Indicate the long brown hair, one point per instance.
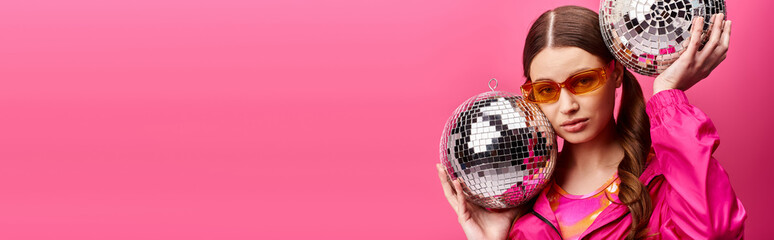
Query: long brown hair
point(574, 26)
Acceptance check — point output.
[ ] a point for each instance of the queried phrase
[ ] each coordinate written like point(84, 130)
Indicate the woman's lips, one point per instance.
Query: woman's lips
point(576, 127)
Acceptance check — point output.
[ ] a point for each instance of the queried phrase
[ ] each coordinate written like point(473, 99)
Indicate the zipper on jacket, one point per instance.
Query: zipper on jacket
point(547, 222)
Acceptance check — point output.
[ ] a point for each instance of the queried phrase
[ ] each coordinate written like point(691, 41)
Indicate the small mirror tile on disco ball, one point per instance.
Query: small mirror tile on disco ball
point(502, 147)
point(649, 35)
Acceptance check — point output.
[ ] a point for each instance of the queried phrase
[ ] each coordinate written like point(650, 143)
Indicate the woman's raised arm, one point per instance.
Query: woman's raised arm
point(701, 203)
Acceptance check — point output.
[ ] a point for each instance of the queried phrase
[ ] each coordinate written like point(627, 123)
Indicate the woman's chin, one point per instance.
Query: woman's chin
point(575, 138)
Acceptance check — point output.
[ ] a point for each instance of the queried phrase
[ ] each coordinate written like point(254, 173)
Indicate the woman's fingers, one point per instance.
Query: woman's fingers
point(722, 49)
point(716, 30)
point(726, 34)
point(447, 187)
point(462, 212)
point(693, 44)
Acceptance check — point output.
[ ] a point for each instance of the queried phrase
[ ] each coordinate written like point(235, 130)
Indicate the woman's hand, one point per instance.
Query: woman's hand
point(477, 222)
point(693, 65)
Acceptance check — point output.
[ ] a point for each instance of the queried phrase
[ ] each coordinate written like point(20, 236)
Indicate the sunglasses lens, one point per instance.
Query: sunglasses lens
point(548, 91)
point(586, 82)
point(544, 92)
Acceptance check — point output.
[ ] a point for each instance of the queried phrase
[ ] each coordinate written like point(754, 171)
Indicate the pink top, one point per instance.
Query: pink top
point(691, 194)
point(575, 213)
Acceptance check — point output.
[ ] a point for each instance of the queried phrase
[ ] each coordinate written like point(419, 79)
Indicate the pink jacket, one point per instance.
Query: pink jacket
point(692, 196)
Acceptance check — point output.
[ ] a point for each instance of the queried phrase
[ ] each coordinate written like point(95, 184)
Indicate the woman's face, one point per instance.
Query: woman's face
point(557, 64)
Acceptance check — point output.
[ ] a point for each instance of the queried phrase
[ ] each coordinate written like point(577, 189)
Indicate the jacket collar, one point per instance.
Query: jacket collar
point(543, 208)
point(611, 212)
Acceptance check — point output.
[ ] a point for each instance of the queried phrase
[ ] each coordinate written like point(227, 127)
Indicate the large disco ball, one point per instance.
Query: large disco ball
point(649, 35)
point(503, 148)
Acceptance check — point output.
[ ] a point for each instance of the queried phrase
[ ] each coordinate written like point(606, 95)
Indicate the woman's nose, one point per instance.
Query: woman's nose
point(567, 103)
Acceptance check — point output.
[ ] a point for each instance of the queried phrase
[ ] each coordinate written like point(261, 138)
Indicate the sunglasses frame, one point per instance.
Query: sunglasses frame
point(602, 71)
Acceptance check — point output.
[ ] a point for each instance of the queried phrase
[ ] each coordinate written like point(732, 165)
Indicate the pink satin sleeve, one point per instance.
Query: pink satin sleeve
point(701, 203)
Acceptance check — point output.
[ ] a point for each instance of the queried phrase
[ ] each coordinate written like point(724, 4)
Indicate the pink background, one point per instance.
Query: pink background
point(163, 119)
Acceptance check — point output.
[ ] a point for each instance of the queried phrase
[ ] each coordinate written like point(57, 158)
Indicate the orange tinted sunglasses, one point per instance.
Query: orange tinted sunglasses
point(547, 91)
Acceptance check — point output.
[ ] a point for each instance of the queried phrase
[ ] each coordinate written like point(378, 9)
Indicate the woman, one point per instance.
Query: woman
point(649, 175)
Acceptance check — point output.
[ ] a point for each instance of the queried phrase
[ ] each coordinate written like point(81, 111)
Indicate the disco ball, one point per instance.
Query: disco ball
point(502, 147)
point(649, 35)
